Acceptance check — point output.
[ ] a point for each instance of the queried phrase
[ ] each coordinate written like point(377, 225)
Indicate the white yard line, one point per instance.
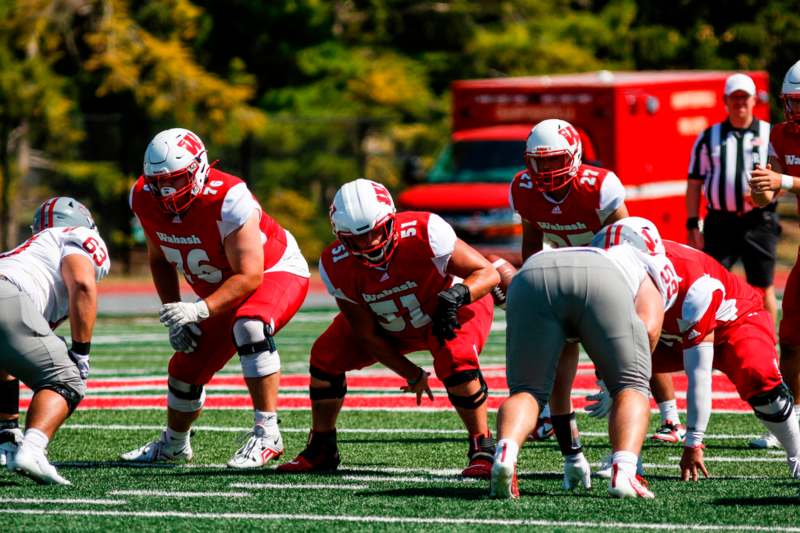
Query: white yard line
point(710, 459)
point(300, 486)
point(410, 479)
point(179, 494)
point(413, 520)
point(68, 501)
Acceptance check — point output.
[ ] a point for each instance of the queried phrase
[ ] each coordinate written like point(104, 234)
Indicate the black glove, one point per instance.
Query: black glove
point(445, 318)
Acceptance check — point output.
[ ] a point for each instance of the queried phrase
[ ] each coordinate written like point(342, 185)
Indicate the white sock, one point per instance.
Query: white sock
point(626, 461)
point(35, 439)
point(669, 412)
point(787, 433)
point(177, 438)
point(506, 452)
point(545, 412)
point(266, 419)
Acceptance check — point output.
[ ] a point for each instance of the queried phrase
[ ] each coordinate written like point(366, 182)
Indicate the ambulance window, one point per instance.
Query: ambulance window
point(479, 161)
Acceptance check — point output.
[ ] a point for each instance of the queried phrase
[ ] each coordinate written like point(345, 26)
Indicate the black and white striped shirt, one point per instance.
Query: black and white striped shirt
point(722, 157)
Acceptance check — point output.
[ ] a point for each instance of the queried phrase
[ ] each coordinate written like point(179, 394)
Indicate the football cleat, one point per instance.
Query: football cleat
point(669, 433)
point(577, 473)
point(621, 485)
point(159, 451)
point(606, 467)
point(765, 442)
point(33, 463)
point(543, 430)
point(320, 455)
point(258, 449)
point(481, 457)
point(503, 483)
point(10, 439)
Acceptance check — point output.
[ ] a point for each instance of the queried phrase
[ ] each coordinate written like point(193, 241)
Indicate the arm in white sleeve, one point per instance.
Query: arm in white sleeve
point(698, 361)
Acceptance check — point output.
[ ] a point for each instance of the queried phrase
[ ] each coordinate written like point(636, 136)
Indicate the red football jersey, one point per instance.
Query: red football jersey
point(709, 297)
point(784, 145)
point(193, 241)
point(595, 193)
point(403, 294)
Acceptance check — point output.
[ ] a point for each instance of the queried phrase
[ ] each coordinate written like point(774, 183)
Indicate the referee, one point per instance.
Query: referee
point(722, 158)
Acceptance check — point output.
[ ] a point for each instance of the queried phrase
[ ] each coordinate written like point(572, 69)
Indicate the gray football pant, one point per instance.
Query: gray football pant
point(37, 356)
point(573, 294)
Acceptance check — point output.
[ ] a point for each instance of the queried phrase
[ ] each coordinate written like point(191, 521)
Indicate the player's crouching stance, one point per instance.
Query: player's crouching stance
point(396, 281)
point(50, 276)
point(614, 302)
point(717, 321)
point(249, 273)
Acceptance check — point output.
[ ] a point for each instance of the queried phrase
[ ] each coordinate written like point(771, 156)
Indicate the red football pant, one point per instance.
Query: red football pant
point(789, 332)
point(274, 302)
point(337, 351)
point(744, 351)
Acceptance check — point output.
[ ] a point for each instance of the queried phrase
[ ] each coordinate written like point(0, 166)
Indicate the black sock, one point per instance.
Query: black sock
point(9, 403)
point(567, 434)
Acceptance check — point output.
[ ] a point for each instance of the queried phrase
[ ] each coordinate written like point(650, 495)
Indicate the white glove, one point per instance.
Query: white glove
point(184, 338)
point(180, 313)
point(601, 402)
point(577, 472)
point(82, 362)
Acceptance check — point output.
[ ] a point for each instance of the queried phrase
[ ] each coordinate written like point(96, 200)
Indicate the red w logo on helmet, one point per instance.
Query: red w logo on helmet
point(570, 134)
point(192, 144)
point(382, 195)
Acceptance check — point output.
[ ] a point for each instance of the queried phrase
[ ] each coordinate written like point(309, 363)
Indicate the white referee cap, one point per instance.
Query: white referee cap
point(740, 82)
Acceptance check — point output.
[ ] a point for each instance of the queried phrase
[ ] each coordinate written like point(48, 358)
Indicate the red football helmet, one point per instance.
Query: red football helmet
point(175, 168)
point(363, 218)
point(553, 154)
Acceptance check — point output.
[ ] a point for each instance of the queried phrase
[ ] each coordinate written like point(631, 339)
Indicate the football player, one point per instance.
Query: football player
point(717, 322)
point(250, 278)
point(564, 202)
point(49, 277)
point(783, 173)
point(403, 283)
point(613, 302)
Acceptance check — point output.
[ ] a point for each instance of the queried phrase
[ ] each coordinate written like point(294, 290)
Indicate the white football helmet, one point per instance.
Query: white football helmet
point(175, 168)
point(553, 154)
point(365, 207)
point(639, 232)
point(790, 92)
point(61, 211)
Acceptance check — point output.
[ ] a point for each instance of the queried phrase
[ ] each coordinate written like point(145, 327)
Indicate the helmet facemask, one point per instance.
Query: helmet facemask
point(177, 190)
point(374, 255)
point(550, 170)
point(791, 107)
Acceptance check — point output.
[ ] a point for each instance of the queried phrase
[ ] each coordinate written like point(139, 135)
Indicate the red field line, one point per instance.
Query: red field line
point(720, 383)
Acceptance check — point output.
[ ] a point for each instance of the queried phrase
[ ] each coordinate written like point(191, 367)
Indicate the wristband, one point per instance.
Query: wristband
point(413, 382)
point(787, 182)
point(693, 223)
point(81, 348)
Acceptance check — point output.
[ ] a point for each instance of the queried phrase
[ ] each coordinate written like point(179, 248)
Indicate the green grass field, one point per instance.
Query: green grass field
point(399, 469)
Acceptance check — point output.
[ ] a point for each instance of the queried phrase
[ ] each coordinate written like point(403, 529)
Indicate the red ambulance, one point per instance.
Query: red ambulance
point(641, 125)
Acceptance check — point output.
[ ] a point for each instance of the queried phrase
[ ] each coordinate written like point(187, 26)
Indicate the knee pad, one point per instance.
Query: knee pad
point(257, 352)
point(72, 397)
point(773, 406)
point(336, 391)
point(185, 397)
point(472, 401)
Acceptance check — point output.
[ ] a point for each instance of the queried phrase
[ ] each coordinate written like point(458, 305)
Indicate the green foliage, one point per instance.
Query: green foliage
point(307, 94)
